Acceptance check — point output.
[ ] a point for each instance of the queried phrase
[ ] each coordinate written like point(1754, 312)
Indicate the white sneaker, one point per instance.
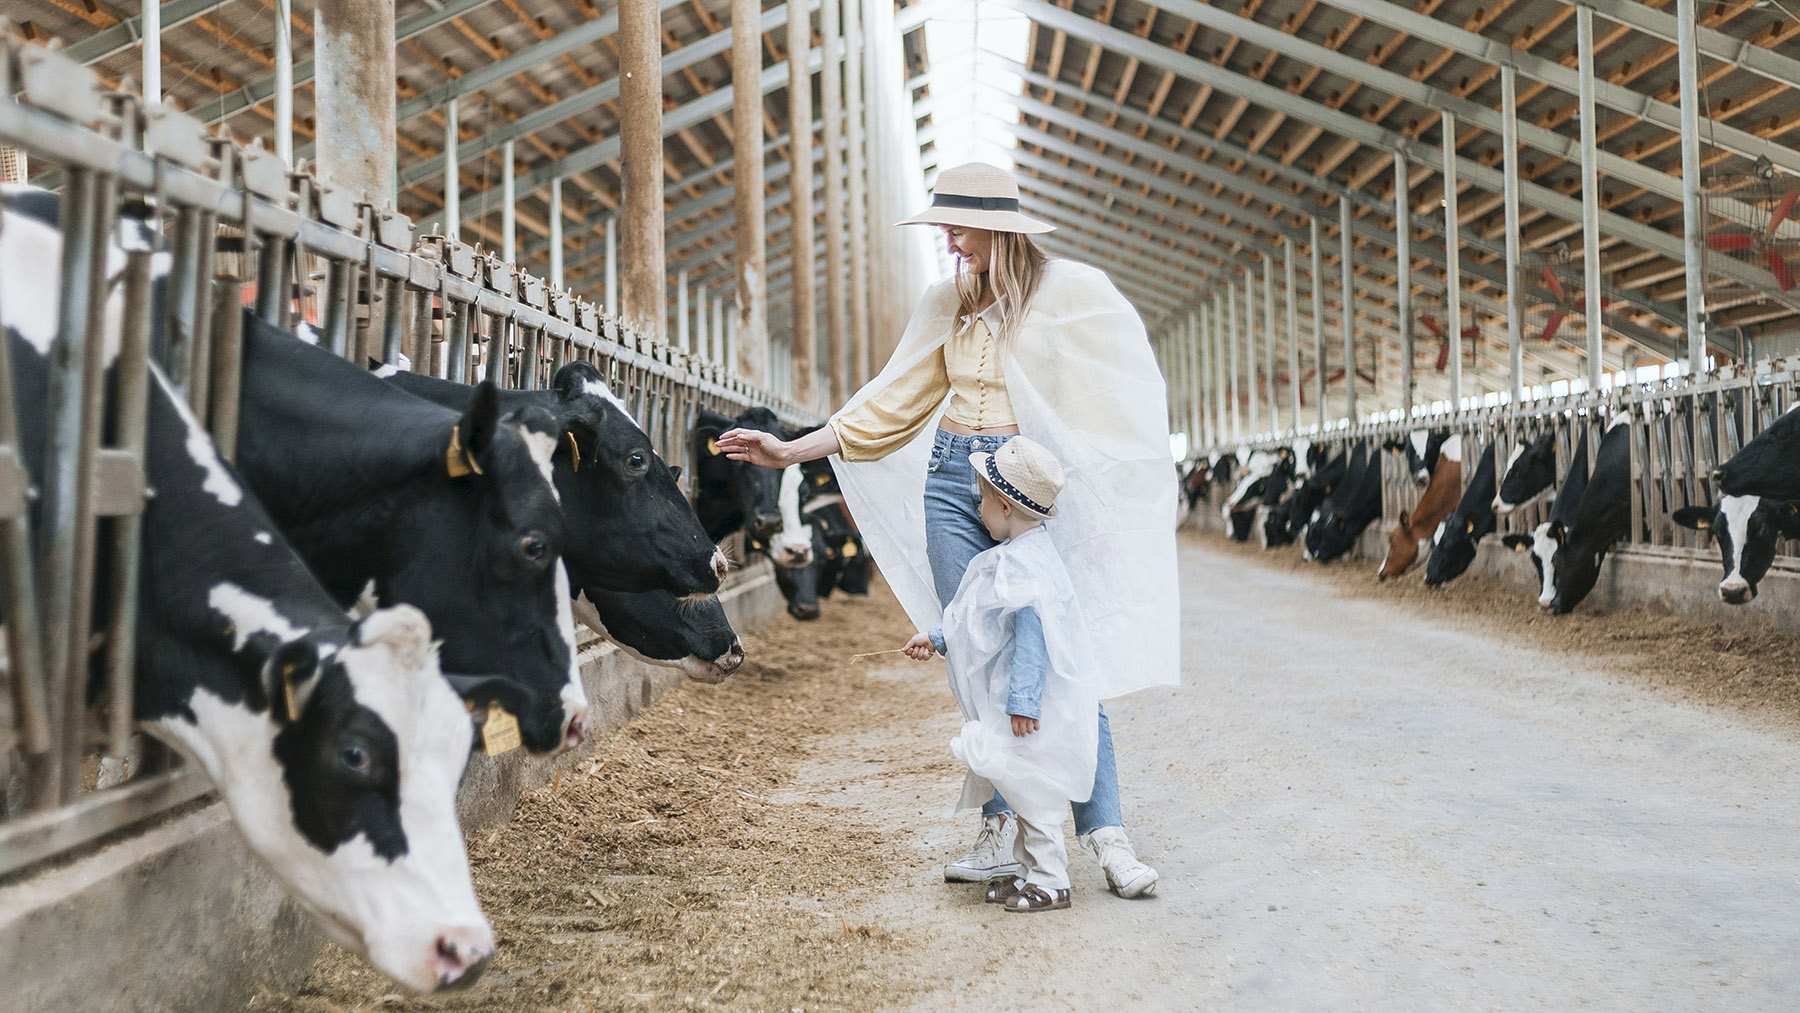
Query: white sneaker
point(1127, 876)
point(992, 855)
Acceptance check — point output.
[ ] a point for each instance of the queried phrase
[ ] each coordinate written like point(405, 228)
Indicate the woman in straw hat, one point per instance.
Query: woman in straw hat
point(1016, 342)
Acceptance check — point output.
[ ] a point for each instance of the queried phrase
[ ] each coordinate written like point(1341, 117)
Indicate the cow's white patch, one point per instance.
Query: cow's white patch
point(307, 332)
point(1618, 419)
point(366, 602)
point(1302, 450)
point(1737, 511)
point(1437, 537)
point(792, 545)
point(264, 538)
point(1257, 468)
point(1451, 449)
point(386, 370)
point(599, 389)
point(200, 448)
point(1543, 549)
point(1418, 439)
point(30, 278)
point(250, 614)
point(542, 447)
point(574, 697)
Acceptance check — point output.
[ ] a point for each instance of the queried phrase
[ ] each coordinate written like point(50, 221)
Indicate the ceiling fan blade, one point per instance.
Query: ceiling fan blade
point(1733, 241)
point(1782, 210)
point(1443, 359)
point(1779, 268)
point(1551, 282)
point(1432, 326)
point(1552, 324)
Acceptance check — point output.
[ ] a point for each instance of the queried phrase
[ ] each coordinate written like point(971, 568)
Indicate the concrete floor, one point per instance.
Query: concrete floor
point(1355, 807)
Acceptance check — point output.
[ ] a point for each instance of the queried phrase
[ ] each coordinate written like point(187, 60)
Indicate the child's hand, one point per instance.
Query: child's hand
point(919, 647)
point(1023, 726)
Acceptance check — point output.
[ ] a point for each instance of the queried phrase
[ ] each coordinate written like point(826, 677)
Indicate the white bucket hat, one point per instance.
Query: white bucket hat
point(1023, 471)
point(977, 196)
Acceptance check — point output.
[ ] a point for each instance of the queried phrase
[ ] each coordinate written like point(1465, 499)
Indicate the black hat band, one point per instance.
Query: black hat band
point(1012, 491)
point(957, 200)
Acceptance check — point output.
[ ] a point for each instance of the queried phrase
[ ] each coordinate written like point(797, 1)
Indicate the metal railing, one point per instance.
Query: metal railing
point(238, 228)
point(1681, 429)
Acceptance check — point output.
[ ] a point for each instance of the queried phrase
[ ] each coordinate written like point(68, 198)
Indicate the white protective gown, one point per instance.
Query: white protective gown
point(1040, 773)
point(1084, 384)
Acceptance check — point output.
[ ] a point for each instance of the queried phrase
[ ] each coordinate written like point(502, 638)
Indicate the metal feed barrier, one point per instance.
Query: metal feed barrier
point(239, 228)
point(1681, 429)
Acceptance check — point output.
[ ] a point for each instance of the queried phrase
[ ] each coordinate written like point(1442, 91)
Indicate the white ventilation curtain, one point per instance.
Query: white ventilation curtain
point(903, 264)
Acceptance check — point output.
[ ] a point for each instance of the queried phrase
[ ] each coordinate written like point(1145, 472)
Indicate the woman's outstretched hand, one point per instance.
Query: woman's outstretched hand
point(757, 447)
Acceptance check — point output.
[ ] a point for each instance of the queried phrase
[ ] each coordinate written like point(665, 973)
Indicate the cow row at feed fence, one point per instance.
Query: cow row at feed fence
point(234, 556)
point(1685, 467)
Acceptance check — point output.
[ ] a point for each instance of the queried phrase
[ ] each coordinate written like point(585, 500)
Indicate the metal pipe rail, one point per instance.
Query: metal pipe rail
point(1681, 429)
point(236, 228)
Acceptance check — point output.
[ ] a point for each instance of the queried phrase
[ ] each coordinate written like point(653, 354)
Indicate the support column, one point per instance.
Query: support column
point(1452, 264)
point(751, 255)
point(831, 95)
point(1348, 301)
point(353, 95)
point(643, 301)
point(681, 312)
point(1590, 196)
point(1196, 378)
point(1293, 341)
point(1231, 341)
point(556, 234)
point(1249, 331)
point(1269, 340)
point(284, 74)
point(452, 171)
point(805, 339)
point(612, 265)
point(151, 70)
point(1318, 325)
point(509, 212)
point(1515, 289)
point(1403, 280)
point(1221, 404)
point(1693, 225)
point(860, 371)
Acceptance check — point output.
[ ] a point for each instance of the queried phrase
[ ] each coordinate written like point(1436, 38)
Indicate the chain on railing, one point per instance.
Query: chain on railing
point(223, 226)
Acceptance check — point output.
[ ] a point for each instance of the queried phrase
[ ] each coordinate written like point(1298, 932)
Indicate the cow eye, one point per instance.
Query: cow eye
point(638, 461)
point(355, 758)
point(533, 547)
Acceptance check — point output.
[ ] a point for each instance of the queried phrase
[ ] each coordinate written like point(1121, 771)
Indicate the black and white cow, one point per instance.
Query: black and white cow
point(627, 525)
point(1276, 500)
point(1544, 540)
point(1529, 473)
point(1421, 447)
point(454, 512)
point(1767, 466)
point(336, 745)
point(1302, 507)
point(1348, 510)
point(1603, 517)
point(1454, 545)
point(732, 495)
point(1745, 528)
point(1224, 469)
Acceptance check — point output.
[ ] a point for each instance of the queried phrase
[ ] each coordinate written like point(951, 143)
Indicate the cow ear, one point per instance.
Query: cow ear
point(580, 443)
point(572, 380)
point(288, 676)
point(471, 437)
point(1469, 526)
point(1698, 518)
point(1517, 543)
point(1555, 531)
point(675, 472)
point(1405, 518)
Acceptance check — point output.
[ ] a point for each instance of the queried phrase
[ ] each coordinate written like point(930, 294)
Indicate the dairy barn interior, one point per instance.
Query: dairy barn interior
point(368, 365)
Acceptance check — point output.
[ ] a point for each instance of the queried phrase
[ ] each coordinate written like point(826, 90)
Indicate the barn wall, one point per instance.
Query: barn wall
point(180, 916)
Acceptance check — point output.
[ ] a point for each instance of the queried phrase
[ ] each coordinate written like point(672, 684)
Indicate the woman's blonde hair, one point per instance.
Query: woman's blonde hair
point(1015, 268)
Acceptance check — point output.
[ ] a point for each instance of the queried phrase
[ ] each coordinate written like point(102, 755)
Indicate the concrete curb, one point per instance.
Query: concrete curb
point(181, 916)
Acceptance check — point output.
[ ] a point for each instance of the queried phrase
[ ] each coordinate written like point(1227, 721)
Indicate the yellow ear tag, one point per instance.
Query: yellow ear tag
point(500, 732)
point(849, 549)
point(712, 446)
point(821, 479)
point(287, 692)
point(574, 452)
point(457, 461)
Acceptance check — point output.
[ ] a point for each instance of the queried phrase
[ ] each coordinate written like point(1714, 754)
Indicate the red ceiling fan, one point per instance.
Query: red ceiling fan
point(1762, 242)
point(1562, 304)
point(1431, 324)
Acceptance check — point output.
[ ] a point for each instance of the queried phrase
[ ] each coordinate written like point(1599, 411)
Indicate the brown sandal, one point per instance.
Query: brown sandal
point(1032, 898)
point(1001, 889)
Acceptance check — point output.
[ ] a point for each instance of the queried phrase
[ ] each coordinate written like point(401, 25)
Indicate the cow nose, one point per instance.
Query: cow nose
point(576, 729)
point(462, 954)
point(721, 564)
point(1545, 603)
point(1735, 594)
point(1718, 475)
point(730, 660)
point(764, 525)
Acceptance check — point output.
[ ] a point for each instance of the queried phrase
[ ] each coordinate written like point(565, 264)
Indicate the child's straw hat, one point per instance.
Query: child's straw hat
point(1024, 472)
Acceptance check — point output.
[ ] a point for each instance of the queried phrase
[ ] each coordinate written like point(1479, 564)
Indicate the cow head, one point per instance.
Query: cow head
point(1529, 473)
point(736, 494)
point(502, 602)
point(1277, 527)
point(692, 634)
point(1241, 521)
point(340, 765)
point(1764, 467)
point(1543, 543)
point(1454, 544)
point(1745, 528)
point(1575, 571)
point(629, 526)
point(792, 544)
point(1403, 549)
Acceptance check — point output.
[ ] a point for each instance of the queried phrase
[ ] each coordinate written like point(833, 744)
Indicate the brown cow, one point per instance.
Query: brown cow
point(1435, 504)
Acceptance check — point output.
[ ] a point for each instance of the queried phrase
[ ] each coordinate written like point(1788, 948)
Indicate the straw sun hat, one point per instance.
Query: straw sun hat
point(977, 196)
point(1024, 472)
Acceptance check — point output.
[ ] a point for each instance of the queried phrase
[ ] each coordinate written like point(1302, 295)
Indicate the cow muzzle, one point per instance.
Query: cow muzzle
point(1734, 593)
point(462, 954)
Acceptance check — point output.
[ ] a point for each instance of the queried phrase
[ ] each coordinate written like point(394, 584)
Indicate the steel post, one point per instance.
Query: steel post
point(452, 177)
point(1347, 297)
point(353, 95)
point(805, 311)
point(1293, 340)
point(509, 213)
point(556, 234)
point(1693, 224)
point(612, 265)
point(284, 78)
point(1590, 197)
point(1318, 324)
point(1403, 279)
point(859, 212)
point(1515, 292)
point(831, 96)
point(1452, 263)
point(643, 303)
point(151, 67)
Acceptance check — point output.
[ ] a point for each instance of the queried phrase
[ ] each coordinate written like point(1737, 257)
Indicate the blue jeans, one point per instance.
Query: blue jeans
point(954, 534)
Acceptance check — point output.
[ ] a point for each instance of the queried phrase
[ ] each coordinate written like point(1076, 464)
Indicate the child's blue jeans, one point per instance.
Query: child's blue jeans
point(953, 535)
